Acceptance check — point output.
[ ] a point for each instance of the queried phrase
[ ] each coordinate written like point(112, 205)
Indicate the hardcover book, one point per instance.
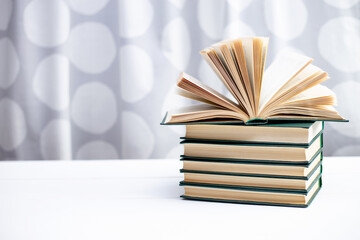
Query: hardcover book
point(253, 180)
point(277, 197)
point(252, 151)
point(289, 88)
point(298, 133)
point(252, 168)
point(262, 143)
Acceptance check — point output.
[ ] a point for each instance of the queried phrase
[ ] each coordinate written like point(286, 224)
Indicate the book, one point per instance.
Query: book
point(252, 151)
point(300, 133)
point(262, 142)
point(289, 88)
point(253, 168)
point(275, 197)
point(253, 180)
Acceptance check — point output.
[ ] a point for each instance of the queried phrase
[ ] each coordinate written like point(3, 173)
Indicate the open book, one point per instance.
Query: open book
point(288, 89)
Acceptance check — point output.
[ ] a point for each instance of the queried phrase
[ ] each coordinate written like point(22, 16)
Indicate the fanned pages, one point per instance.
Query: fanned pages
point(195, 87)
point(288, 89)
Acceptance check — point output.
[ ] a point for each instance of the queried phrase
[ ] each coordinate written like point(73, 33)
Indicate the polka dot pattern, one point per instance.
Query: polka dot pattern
point(54, 93)
point(9, 63)
point(135, 84)
point(5, 13)
point(176, 44)
point(239, 6)
point(91, 47)
point(42, 27)
point(178, 3)
point(238, 29)
point(339, 45)
point(54, 140)
point(87, 7)
point(84, 79)
point(288, 49)
point(94, 108)
point(278, 14)
point(211, 17)
point(343, 4)
point(135, 17)
point(135, 135)
point(13, 118)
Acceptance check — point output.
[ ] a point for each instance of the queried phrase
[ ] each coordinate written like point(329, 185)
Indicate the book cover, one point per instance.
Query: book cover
point(251, 143)
point(319, 165)
point(317, 184)
point(185, 140)
point(278, 122)
point(254, 161)
point(289, 89)
point(244, 187)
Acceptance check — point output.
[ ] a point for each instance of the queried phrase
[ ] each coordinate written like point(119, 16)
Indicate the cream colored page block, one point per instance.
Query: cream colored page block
point(248, 52)
point(317, 91)
point(284, 68)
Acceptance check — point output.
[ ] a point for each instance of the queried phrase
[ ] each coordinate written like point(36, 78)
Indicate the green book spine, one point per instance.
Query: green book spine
point(252, 161)
point(243, 187)
point(250, 188)
point(254, 144)
point(319, 165)
point(249, 143)
point(255, 202)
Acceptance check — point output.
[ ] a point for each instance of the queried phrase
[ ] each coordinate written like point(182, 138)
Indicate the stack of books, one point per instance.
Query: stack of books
point(264, 143)
point(273, 164)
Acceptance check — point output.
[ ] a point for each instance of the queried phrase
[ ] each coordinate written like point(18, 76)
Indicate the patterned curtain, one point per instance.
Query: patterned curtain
point(91, 79)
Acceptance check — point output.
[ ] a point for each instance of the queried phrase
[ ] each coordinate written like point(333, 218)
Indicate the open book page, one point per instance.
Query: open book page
point(202, 112)
point(283, 69)
point(309, 72)
point(309, 77)
point(232, 77)
point(237, 49)
point(263, 58)
point(198, 88)
point(288, 89)
point(238, 79)
point(308, 112)
point(308, 83)
point(215, 63)
point(258, 47)
point(247, 44)
point(225, 53)
point(187, 94)
point(317, 95)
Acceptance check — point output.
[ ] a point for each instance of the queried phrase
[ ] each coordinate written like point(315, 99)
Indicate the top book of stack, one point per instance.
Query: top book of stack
point(289, 89)
point(293, 133)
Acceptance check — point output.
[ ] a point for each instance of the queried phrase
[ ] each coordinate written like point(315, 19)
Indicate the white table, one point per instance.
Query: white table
point(139, 199)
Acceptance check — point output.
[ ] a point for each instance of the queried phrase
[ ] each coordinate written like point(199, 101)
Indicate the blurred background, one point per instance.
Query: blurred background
point(92, 79)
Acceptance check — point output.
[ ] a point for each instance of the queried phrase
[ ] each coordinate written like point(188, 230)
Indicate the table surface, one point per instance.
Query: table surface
point(139, 199)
